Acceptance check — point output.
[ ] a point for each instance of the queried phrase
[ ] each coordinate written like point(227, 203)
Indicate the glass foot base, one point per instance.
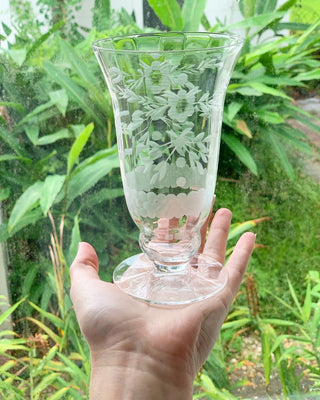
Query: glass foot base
point(204, 277)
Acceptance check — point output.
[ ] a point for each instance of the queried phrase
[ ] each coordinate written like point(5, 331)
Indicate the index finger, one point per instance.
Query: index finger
point(216, 244)
point(238, 261)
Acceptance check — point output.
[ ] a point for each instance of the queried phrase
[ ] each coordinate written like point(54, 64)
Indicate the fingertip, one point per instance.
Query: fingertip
point(224, 212)
point(248, 239)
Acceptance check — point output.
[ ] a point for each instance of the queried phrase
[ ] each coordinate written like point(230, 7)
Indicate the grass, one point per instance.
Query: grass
point(291, 237)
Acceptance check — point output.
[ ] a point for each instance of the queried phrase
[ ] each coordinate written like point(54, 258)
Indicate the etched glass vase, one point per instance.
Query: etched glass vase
point(168, 92)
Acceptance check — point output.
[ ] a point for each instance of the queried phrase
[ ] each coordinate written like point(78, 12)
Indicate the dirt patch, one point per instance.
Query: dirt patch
point(248, 379)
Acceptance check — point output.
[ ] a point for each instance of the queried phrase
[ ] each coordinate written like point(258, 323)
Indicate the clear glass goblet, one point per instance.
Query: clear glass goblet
point(168, 92)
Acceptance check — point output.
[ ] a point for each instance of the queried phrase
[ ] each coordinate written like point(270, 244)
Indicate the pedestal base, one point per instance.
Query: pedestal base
point(202, 278)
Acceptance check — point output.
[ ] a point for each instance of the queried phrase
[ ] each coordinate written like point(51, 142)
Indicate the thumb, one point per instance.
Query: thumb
point(85, 266)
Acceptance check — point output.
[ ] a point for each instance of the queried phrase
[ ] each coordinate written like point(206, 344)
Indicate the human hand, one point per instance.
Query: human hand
point(143, 352)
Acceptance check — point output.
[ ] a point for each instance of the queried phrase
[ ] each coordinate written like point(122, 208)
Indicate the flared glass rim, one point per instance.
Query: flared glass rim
point(233, 41)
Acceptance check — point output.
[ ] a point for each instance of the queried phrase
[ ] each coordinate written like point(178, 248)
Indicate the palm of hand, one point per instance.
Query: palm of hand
point(179, 339)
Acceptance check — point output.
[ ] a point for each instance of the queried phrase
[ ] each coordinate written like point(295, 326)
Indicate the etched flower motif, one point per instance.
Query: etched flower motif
point(181, 104)
point(156, 76)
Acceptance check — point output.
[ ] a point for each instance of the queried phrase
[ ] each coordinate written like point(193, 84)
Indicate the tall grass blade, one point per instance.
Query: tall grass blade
point(6, 314)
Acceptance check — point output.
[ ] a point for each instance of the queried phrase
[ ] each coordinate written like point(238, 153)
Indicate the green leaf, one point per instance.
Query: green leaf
point(292, 26)
point(267, 337)
point(16, 106)
point(30, 217)
point(290, 135)
point(18, 55)
point(233, 109)
point(50, 189)
point(45, 36)
point(265, 6)
point(281, 153)
point(260, 21)
point(295, 299)
point(265, 49)
point(307, 122)
point(5, 315)
point(192, 12)
point(7, 30)
point(247, 7)
point(292, 309)
point(275, 80)
point(240, 227)
point(101, 15)
point(244, 90)
point(302, 38)
point(241, 152)
point(103, 195)
point(309, 75)
point(4, 193)
point(238, 323)
point(307, 305)
point(38, 110)
point(77, 63)
point(28, 279)
point(60, 393)
point(77, 373)
point(26, 201)
point(268, 90)
point(32, 132)
point(82, 181)
point(87, 79)
point(77, 129)
point(7, 345)
point(12, 141)
point(53, 137)
point(44, 383)
point(99, 155)
point(169, 13)
point(287, 5)
point(269, 116)
point(279, 322)
point(60, 99)
point(75, 92)
point(78, 145)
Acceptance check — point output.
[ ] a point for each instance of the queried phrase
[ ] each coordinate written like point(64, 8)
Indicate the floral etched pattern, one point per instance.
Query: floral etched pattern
point(165, 128)
point(164, 109)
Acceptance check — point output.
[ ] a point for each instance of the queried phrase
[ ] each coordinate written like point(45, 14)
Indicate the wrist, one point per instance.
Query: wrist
point(132, 376)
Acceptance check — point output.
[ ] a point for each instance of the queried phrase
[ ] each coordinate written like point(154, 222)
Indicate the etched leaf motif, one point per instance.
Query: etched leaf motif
point(165, 104)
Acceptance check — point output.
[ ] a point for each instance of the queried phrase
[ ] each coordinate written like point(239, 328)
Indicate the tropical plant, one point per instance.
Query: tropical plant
point(52, 362)
point(57, 137)
point(258, 104)
point(305, 329)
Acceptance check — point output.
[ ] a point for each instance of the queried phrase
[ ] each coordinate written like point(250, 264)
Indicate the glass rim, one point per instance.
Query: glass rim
point(234, 41)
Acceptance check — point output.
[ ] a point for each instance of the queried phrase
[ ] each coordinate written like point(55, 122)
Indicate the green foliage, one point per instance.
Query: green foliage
point(57, 135)
point(258, 101)
point(305, 327)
